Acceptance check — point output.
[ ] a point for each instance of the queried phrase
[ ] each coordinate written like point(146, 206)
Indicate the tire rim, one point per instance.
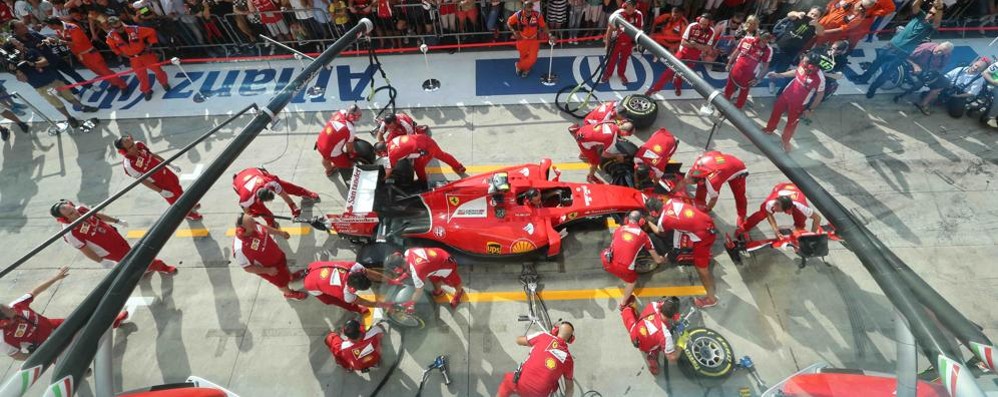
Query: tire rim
point(708, 352)
point(405, 320)
point(640, 104)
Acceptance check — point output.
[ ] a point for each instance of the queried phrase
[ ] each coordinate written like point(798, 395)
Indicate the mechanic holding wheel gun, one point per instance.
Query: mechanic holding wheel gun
point(335, 141)
point(598, 141)
point(785, 198)
point(710, 172)
point(549, 361)
point(337, 283)
point(421, 149)
point(138, 160)
point(650, 332)
point(687, 220)
point(652, 158)
point(524, 25)
point(420, 264)
point(256, 186)
point(619, 259)
point(355, 348)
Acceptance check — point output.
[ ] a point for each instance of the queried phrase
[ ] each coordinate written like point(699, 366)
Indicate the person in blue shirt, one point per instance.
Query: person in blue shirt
point(34, 69)
point(897, 51)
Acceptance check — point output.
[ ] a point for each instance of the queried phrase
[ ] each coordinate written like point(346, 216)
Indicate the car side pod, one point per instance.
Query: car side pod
point(733, 249)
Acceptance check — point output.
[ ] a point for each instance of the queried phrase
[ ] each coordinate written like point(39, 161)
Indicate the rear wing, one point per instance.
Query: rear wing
point(367, 190)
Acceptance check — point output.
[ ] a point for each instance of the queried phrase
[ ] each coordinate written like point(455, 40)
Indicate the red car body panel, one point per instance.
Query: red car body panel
point(852, 385)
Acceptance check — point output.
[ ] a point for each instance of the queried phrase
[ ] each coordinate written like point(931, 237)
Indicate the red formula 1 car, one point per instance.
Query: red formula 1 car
point(486, 214)
point(806, 244)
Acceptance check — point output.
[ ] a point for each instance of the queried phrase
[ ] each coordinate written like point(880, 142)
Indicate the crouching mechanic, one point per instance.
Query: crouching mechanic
point(548, 362)
point(619, 259)
point(337, 283)
point(398, 124)
point(356, 348)
point(433, 264)
point(97, 239)
point(24, 329)
point(710, 172)
point(652, 158)
point(256, 186)
point(650, 331)
point(420, 149)
point(785, 198)
point(610, 111)
point(256, 252)
point(686, 220)
point(138, 160)
point(335, 142)
point(598, 141)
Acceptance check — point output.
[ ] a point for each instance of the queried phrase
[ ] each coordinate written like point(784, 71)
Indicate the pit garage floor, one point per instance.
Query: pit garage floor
point(922, 184)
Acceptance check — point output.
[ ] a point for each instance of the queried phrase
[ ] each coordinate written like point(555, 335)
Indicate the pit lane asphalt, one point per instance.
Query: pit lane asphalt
point(922, 184)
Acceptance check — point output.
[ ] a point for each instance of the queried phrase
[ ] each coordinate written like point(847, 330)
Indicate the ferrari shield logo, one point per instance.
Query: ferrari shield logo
point(549, 363)
point(454, 200)
point(573, 215)
point(493, 248)
point(324, 274)
point(554, 344)
point(356, 353)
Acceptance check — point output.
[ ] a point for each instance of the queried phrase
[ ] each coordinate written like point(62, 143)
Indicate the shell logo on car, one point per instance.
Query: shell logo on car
point(522, 246)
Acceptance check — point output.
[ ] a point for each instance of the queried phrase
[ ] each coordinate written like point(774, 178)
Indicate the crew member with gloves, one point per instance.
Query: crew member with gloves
point(81, 46)
point(524, 25)
point(698, 38)
point(785, 198)
point(133, 43)
point(610, 111)
point(623, 44)
point(96, 238)
point(686, 220)
point(24, 329)
point(808, 82)
point(747, 64)
point(256, 252)
point(337, 283)
point(335, 142)
point(548, 362)
point(598, 141)
point(650, 331)
point(420, 148)
point(422, 264)
point(398, 124)
point(138, 160)
point(256, 186)
point(619, 259)
point(355, 348)
point(710, 172)
point(654, 155)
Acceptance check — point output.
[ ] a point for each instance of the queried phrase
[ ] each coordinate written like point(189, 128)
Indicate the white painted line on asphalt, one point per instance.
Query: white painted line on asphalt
point(198, 168)
point(134, 302)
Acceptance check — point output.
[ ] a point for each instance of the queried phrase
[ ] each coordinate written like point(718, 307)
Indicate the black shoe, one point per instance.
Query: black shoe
point(870, 93)
point(73, 122)
point(147, 96)
point(166, 87)
point(23, 126)
point(89, 109)
point(4, 134)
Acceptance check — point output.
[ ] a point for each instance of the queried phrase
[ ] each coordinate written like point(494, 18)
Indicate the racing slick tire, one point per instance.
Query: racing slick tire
point(706, 357)
point(644, 263)
point(620, 173)
point(642, 110)
point(364, 152)
point(404, 176)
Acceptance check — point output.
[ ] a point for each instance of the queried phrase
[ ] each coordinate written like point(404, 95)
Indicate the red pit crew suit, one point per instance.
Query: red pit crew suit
point(650, 332)
point(624, 44)
point(686, 219)
point(752, 54)
point(618, 259)
point(592, 137)
point(694, 33)
point(27, 328)
point(421, 148)
point(134, 45)
point(104, 240)
point(605, 112)
point(357, 355)
point(261, 250)
point(164, 179)
point(548, 362)
point(80, 45)
point(657, 151)
point(327, 281)
point(247, 182)
point(404, 125)
point(808, 80)
point(801, 209)
point(339, 130)
point(433, 264)
point(716, 168)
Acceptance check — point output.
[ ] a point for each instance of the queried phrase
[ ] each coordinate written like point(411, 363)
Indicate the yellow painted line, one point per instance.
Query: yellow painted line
point(292, 230)
point(192, 233)
point(136, 234)
point(478, 169)
point(578, 294)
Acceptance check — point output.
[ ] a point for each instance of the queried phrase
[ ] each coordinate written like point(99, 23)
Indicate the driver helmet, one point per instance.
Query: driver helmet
point(499, 183)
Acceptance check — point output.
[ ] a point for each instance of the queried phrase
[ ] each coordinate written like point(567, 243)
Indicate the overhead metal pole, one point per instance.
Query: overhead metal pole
point(861, 241)
point(70, 368)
